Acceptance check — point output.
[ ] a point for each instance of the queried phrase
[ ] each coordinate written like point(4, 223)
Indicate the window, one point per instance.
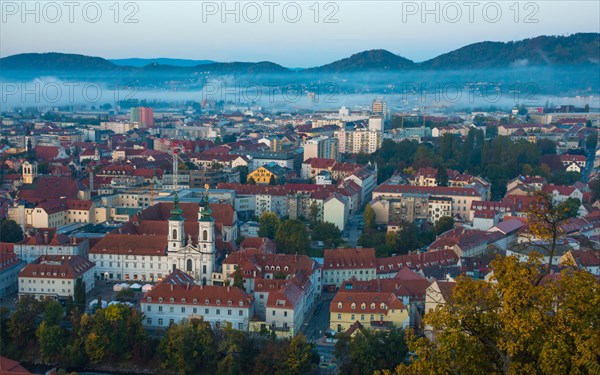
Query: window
point(174, 234)
point(183, 309)
point(218, 311)
point(241, 312)
point(206, 311)
point(228, 312)
point(205, 235)
point(159, 308)
point(339, 316)
point(149, 308)
point(285, 313)
point(149, 321)
point(189, 265)
point(160, 321)
point(352, 317)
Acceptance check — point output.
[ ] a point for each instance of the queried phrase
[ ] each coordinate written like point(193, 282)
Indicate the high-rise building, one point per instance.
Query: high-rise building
point(359, 141)
point(322, 147)
point(379, 108)
point(376, 123)
point(143, 115)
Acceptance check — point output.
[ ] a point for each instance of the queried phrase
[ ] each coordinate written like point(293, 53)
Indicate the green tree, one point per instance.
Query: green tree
point(328, 233)
point(369, 218)
point(445, 223)
point(10, 231)
point(51, 339)
point(238, 279)
point(243, 169)
point(441, 176)
point(370, 350)
point(79, 298)
point(292, 237)
point(269, 223)
point(313, 215)
point(22, 324)
point(570, 207)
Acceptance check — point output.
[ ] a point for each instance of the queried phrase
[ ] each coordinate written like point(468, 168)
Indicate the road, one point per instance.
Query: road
point(352, 231)
point(316, 324)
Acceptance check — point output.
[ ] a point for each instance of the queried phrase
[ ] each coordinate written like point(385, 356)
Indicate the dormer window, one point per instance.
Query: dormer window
point(339, 305)
point(353, 306)
point(373, 306)
point(195, 301)
point(149, 299)
point(160, 299)
point(183, 300)
point(363, 306)
point(218, 302)
point(206, 301)
point(241, 303)
point(172, 299)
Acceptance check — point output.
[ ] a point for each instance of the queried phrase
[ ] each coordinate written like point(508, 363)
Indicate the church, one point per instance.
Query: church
point(165, 237)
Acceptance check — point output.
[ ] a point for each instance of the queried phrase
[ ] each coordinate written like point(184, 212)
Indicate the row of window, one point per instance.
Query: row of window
point(362, 317)
point(194, 310)
point(161, 322)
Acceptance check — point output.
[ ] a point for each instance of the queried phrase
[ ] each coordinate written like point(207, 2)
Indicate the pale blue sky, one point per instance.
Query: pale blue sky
point(177, 29)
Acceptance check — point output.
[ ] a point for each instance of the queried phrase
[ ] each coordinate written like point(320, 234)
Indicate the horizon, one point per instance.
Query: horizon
point(349, 54)
point(323, 31)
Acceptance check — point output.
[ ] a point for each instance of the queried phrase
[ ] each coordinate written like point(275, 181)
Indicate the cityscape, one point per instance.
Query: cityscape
point(242, 208)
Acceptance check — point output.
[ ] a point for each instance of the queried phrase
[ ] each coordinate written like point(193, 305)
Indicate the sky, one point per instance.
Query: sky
point(290, 33)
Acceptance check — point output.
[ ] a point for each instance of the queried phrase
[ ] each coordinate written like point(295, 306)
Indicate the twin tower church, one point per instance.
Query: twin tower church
point(165, 237)
point(197, 260)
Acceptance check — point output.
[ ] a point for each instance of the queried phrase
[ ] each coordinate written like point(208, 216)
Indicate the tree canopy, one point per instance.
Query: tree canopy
point(269, 223)
point(512, 324)
point(292, 237)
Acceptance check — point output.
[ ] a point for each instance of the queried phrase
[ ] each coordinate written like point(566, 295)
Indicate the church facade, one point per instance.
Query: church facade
point(148, 248)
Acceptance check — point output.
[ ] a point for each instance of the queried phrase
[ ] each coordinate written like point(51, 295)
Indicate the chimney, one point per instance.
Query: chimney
point(171, 287)
point(187, 287)
point(45, 237)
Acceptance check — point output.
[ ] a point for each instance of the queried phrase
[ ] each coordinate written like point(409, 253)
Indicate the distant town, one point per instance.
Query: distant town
point(218, 237)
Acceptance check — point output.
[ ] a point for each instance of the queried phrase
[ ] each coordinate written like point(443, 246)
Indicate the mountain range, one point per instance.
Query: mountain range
point(581, 49)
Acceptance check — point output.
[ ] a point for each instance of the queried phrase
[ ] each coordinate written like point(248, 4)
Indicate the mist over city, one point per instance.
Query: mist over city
point(290, 188)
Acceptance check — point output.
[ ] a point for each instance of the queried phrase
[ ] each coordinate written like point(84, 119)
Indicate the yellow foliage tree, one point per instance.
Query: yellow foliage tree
point(513, 324)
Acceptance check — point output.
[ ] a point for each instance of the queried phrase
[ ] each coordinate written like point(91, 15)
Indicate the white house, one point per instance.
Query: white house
point(54, 276)
point(177, 298)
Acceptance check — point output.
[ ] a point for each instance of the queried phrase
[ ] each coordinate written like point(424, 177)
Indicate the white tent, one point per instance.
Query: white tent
point(95, 302)
point(136, 286)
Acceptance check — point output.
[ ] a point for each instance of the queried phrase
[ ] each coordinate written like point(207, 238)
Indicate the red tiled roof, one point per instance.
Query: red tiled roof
point(57, 266)
point(349, 258)
point(153, 245)
point(188, 293)
point(365, 303)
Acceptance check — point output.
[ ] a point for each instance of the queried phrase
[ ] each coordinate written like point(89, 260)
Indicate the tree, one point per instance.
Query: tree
point(272, 180)
point(188, 348)
point(512, 324)
point(10, 231)
point(243, 169)
point(292, 237)
point(313, 215)
point(251, 181)
point(444, 223)
point(22, 324)
point(299, 356)
point(545, 221)
point(238, 279)
point(328, 233)
point(441, 176)
point(369, 218)
point(79, 298)
point(370, 350)
point(269, 223)
point(571, 207)
point(51, 339)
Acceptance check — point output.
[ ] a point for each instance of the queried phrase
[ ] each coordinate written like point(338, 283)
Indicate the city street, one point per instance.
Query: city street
point(317, 324)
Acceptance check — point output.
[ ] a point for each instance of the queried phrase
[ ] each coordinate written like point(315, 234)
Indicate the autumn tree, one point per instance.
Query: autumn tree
point(188, 347)
point(545, 227)
point(369, 218)
point(269, 223)
point(512, 324)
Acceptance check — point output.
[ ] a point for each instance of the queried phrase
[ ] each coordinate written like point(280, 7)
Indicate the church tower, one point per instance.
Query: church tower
point(206, 240)
point(30, 171)
point(176, 236)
